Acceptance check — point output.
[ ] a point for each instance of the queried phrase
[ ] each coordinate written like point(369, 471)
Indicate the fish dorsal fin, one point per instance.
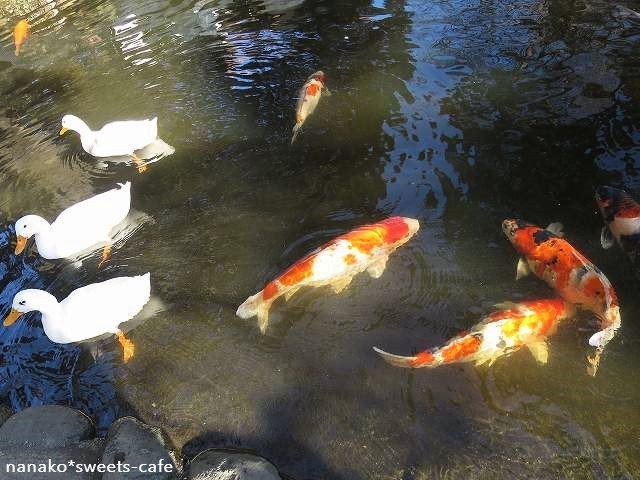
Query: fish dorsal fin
point(376, 269)
point(340, 284)
point(556, 228)
point(606, 238)
point(539, 350)
point(523, 269)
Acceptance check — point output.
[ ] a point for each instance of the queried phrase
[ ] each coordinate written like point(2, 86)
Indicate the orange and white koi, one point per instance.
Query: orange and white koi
point(571, 274)
point(621, 215)
point(516, 325)
point(335, 264)
point(20, 33)
point(308, 99)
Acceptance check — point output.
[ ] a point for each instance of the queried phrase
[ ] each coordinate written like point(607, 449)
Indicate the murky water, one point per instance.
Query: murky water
point(457, 113)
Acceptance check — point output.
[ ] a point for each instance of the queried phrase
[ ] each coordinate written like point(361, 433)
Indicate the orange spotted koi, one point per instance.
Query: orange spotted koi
point(576, 279)
point(335, 264)
point(308, 99)
point(498, 334)
point(621, 214)
point(20, 33)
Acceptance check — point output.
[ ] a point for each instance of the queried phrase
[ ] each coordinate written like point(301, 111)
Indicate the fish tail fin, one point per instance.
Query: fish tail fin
point(256, 306)
point(296, 130)
point(424, 359)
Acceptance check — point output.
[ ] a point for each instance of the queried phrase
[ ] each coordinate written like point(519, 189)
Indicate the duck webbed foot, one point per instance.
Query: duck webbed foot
point(106, 252)
point(128, 348)
point(139, 163)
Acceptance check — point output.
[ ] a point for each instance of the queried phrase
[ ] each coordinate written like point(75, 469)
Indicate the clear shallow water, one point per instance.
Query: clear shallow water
point(459, 114)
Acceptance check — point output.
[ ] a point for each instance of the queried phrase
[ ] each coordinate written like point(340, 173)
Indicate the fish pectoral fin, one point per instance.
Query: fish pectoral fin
point(556, 228)
point(523, 269)
point(540, 351)
point(326, 91)
point(339, 285)
point(376, 269)
point(290, 293)
point(505, 305)
point(606, 238)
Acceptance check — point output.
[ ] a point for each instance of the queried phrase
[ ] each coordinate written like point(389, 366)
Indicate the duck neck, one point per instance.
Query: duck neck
point(44, 238)
point(51, 315)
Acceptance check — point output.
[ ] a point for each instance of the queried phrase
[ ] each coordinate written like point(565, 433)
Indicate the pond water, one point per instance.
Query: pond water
point(457, 113)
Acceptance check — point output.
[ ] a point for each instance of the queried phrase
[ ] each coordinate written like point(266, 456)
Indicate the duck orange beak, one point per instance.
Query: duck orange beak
point(63, 130)
point(12, 317)
point(20, 244)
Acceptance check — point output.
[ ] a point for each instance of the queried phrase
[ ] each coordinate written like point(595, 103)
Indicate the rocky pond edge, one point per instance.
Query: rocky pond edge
point(54, 441)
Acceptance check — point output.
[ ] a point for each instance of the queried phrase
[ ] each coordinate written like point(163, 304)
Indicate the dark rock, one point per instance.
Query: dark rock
point(5, 413)
point(46, 426)
point(139, 446)
point(14, 457)
point(226, 465)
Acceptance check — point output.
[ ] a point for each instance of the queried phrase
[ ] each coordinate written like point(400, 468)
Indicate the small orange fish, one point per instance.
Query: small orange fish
point(335, 264)
point(308, 99)
point(500, 333)
point(20, 34)
point(621, 214)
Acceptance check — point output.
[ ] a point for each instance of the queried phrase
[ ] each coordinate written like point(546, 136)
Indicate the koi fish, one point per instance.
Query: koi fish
point(621, 215)
point(576, 279)
point(308, 99)
point(335, 264)
point(20, 33)
point(516, 325)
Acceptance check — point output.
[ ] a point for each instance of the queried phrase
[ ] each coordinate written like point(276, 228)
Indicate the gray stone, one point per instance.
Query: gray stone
point(225, 465)
point(139, 446)
point(47, 426)
point(14, 457)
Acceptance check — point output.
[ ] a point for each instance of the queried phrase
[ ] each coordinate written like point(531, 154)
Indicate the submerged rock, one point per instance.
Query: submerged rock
point(47, 426)
point(226, 465)
point(140, 446)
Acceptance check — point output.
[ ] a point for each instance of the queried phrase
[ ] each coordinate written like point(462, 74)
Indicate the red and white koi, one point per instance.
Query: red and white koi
point(621, 215)
point(335, 264)
point(516, 325)
point(308, 99)
point(571, 274)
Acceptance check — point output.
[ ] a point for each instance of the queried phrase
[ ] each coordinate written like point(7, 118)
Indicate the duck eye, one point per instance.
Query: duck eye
point(23, 302)
point(24, 226)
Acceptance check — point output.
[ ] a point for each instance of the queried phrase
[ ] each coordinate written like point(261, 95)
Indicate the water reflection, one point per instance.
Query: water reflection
point(457, 114)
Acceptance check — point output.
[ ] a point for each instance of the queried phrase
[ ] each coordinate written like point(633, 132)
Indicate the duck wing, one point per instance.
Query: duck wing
point(123, 138)
point(100, 307)
point(90, 221)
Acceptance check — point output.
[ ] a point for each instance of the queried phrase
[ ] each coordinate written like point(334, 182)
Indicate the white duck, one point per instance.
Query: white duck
point(87, 312)
point(81, 226)
point(115, 138)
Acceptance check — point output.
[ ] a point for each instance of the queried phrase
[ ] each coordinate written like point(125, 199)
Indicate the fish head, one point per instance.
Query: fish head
point(319, 75)
point(614, 202)
point(398, 230)
point(520, 233)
